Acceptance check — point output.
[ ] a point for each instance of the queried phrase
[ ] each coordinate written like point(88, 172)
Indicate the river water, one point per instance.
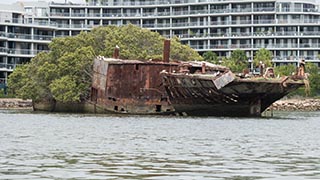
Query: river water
point(73, 146)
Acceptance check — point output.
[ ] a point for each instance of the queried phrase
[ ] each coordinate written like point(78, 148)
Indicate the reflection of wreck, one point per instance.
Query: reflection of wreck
point(192, 88)
point(207, 89)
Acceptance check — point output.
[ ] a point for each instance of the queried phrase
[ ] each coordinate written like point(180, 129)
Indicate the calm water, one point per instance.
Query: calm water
point(71, 146)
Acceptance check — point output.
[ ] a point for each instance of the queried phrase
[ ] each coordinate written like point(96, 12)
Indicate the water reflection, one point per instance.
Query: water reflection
point(70, 146)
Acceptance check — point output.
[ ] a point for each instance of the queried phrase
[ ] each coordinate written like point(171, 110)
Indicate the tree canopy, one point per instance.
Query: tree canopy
point(263, 55)
point(64, 73)
point(237, 62)
point(211, 57)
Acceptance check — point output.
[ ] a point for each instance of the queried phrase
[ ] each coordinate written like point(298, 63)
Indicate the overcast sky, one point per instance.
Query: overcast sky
point(13, 1)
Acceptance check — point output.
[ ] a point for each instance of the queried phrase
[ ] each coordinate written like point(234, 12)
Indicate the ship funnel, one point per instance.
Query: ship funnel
point(166, 50)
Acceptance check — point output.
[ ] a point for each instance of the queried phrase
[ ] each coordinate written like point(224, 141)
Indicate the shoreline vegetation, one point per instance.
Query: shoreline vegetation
point(285, 104)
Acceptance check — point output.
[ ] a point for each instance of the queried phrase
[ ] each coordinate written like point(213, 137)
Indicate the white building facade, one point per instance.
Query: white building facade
point(290, 29)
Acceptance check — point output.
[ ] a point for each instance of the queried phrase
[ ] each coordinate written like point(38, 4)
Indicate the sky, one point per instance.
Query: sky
point(13, 1)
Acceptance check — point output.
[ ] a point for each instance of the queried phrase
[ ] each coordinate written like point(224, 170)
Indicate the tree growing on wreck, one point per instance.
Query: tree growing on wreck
point(237, 62)
point(64, 73)
point(211, 57)
point(264, 56)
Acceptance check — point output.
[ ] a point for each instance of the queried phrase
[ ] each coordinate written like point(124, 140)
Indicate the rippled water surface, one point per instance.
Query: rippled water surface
point(73, 146)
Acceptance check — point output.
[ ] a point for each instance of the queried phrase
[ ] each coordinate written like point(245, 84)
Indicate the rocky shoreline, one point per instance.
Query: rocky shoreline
point(14, 103)
point(307, 104)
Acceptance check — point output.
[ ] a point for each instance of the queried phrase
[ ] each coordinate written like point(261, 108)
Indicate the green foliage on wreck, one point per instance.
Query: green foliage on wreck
point(314, 78)
point(237, 62)
point(64, 73)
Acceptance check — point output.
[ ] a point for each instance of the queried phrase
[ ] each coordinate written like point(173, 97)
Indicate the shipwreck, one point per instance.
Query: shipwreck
point(185, 88)
point(205, 89)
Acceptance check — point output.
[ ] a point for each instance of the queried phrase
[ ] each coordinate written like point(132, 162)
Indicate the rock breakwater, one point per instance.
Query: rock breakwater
point(297, 105)
point(14, 103)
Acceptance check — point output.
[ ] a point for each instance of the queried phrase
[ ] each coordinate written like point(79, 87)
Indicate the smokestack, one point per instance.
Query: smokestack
point(166, 50)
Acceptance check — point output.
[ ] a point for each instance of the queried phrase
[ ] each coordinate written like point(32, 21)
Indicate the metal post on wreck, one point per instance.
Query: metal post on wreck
point(203, 68)
point(116, 52)
point(166, 50)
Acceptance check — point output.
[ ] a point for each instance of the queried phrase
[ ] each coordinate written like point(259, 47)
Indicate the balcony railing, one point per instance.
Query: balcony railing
point(26, 36)
point(258, 46)
point(60, 14)
point(3, 50)
point(7, 66)
point(214, 11)
point(203, 11)
point(27, 22)
point(241, 22)
point(220, 22)
point(148, 14)
point(94, 15)
point(24, 51)
point(112, 15)
point(240, 10)
point(43, 37)
point(19, 36)
point(78, 14)
point(294, 58)
point(264, 9)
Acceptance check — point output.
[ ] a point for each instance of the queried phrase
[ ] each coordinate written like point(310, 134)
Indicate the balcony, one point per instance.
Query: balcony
point(131, 15)
point(111, 15)
point(285, 46)
point(198, 46)
point(215, 11)
point(78, 14)
point(60, 14)
point(310, 33)
point(162, 25)
point(264, 21)
point(264, 9)
point(28, 22)
point(286, 33)
point(204, 11)
point(241, 22)
point(9, 67)
point(93, 15)
point(78, 26)
point(240, 46)
point(241, 10)
point(19, 36)
point(163, 14)
point(220, 22)
point(220, 46)
point(180, 12)
point(3, 50)
point(180, 24)
point(149, 25)
point(149, 14)
point(43, 37)
point(197, 24)
point(63, 25)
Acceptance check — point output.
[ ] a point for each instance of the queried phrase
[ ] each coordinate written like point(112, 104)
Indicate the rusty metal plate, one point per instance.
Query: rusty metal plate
point(224, 80)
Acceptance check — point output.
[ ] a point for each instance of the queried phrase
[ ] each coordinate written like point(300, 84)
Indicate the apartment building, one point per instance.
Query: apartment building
point(290, 29)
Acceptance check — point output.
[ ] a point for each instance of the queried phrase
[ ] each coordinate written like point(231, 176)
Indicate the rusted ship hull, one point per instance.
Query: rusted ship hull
point(198, 95)
point(130, 86)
